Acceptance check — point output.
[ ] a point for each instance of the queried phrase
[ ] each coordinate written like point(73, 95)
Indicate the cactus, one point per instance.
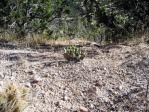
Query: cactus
point(73, 53)
point(12, 99)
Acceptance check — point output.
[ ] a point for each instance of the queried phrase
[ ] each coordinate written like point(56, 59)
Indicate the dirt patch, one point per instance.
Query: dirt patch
point(115, 80)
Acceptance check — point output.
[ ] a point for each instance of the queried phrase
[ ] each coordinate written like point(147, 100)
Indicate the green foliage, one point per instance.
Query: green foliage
point(75, 18)
point(26, 16)
point(73, 53)
point(120, 17)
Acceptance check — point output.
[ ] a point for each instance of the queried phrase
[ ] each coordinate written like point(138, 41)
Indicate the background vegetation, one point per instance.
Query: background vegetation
point(91, 19)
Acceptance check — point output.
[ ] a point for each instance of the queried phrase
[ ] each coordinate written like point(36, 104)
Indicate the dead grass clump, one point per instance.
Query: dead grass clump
point(67, 42)
point(36, 39)
point(135, 38)
point(12, 99)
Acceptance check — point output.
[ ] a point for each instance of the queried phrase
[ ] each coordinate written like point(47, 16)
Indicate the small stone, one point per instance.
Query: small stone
point(28, 85)
point(30, 72)
point(46, 75)
point(43, 93)
point(65, 98)
point(83, 109)
point(13, 57)
point(36, 80)
point(2, 75)
point(12, 78)
point(109, 77)
point(1, 83)
point(58, 104)
point(95, 44)
point(91, 106)
point(120, 87)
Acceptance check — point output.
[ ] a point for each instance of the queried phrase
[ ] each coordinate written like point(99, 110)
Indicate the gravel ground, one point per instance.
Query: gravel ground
point(112, 78)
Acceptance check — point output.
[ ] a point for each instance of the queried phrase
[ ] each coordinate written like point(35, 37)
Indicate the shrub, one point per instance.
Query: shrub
point(116, 19)
point(73, 53)
point(12, 99)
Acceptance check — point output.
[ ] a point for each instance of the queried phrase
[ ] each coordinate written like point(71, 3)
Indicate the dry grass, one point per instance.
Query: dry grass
point(12, 99)
point(136, 38)
point(35, 40)
point(69, 42)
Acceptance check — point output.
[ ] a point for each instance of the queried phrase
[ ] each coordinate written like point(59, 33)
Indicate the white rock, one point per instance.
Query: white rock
point(1, 83)
point(36, 80)
point(12, 78)
point(83, 109)
point(91, 106)
point(120, 87)
point(65, 98)
point(28, 85)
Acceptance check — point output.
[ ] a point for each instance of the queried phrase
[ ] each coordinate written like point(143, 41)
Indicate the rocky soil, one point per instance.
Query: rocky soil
point(111, 78)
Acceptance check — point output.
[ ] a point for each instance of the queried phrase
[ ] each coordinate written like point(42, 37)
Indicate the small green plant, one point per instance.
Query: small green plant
point(73, 53)
point(12, 99)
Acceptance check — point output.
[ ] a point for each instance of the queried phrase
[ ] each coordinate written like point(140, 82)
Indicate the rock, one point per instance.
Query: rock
point(12, 78)
point(30, 72)
point(95, 44)
point(1, 74)
point(58, 104)
point(36, 80)
point(13, 57)
point(28, 85)
point(120, 87)
point(142, 45)
point(1, 83)
point(65, 98)
point(105, 51)
point(83, 109)
point(91, 106)
point(46, 75)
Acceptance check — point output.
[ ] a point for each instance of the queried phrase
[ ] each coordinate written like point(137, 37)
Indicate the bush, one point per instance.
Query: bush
point(75, 18)
point(25, 16)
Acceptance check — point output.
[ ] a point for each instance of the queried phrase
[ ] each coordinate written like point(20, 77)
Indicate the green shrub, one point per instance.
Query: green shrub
point(73, 53)
point(12, 99)
point(115, 19)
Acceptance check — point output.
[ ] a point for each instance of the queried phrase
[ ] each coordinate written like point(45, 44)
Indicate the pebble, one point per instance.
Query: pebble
point(58, 104)
point(65, 98)
point(36, 80)
point(83, 109)
point(2, 75)
point(91, 106)
point(31, 72)
point(120, 87)
point(1, 83)
point(28, 85)
point(12, 78)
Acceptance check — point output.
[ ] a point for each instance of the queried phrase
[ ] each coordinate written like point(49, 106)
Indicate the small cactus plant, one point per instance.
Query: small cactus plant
point(73, 53)
point(12, 99)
